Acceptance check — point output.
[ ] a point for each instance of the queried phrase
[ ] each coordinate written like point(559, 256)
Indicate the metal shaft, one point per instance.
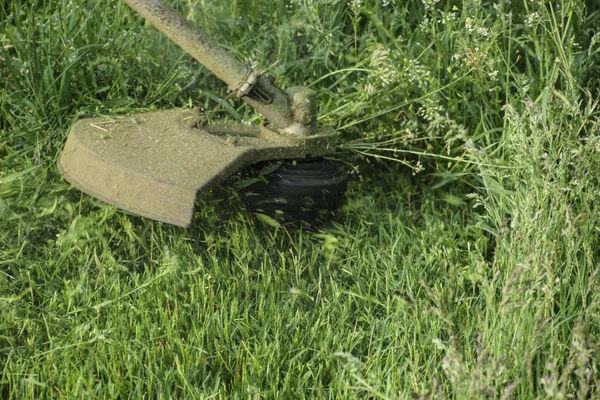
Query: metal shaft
point(164, 18)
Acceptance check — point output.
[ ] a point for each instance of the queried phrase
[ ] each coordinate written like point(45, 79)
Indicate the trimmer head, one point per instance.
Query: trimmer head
point(153, 164)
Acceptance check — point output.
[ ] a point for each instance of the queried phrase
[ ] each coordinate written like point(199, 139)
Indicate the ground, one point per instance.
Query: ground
point(463, 265)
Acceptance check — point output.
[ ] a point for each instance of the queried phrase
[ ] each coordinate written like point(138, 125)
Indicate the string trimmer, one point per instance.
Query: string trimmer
point(154, 164)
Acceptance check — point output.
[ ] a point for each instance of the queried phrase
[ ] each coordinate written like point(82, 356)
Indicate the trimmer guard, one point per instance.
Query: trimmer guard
point(153, 164)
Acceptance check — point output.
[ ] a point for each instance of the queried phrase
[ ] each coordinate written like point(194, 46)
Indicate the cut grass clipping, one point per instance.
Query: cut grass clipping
point(463, 265)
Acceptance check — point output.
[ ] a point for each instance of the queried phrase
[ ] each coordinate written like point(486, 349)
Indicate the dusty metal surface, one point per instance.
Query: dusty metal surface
point(153, 164)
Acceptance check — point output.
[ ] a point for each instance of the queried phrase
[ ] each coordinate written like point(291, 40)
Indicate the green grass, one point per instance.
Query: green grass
point(464, 264)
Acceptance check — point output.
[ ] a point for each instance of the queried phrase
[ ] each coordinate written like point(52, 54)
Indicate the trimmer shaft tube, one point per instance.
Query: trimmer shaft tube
point(277, 109)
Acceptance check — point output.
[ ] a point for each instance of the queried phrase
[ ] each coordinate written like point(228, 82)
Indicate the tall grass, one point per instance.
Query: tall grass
point(464, 264)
